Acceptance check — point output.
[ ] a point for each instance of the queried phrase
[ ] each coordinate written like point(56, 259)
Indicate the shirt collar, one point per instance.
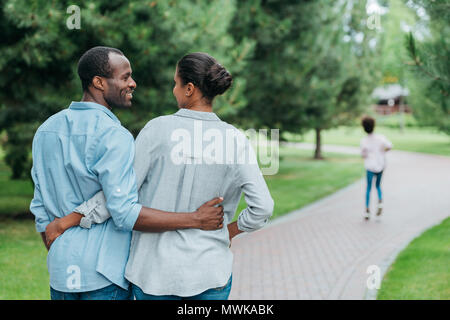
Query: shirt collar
point(85, 105)
point(200, 115)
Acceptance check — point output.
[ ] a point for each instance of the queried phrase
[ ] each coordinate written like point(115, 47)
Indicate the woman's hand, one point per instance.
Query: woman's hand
point(59, 225)
point(233, 230)
point(53, 231)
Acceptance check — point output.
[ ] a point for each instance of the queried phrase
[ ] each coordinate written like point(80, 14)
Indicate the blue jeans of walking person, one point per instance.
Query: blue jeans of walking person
point(220, 293)
point(112, 292)
point(370, 176)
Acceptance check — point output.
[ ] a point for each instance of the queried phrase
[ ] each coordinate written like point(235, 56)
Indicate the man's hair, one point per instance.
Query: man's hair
point(95, 62)
point(368, 124)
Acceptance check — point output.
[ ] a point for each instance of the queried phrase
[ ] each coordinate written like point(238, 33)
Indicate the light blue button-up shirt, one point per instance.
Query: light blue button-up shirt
point(76, 153)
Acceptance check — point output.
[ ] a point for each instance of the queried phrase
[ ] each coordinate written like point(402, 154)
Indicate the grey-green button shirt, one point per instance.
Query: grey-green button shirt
point(182, 161)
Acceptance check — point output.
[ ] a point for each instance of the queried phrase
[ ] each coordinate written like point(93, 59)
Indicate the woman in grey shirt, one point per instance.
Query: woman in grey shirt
point(179, 159)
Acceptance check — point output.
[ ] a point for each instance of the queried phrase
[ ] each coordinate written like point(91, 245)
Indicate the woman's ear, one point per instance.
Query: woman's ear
point(190, 88)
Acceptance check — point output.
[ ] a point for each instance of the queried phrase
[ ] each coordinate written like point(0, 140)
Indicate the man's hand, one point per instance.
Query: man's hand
point(53, 231)
point(209, 216)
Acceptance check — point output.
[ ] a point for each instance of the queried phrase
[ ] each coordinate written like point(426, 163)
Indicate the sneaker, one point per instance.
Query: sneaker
point(367, 215)
point(380, 209)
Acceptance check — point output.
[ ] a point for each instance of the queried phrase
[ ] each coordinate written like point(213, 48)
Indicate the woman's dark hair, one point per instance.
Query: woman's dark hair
point(95, 62)
point(368, 124)
point(205, 73)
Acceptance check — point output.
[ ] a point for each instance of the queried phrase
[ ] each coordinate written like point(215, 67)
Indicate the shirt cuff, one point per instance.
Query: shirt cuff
point(247, 224)
point(40, 227)
point(85, 223)
point(129, 222)
point(86, 207)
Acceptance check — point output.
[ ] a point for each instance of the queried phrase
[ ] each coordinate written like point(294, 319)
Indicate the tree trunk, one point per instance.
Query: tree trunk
point(401, 109)
point(318, 151)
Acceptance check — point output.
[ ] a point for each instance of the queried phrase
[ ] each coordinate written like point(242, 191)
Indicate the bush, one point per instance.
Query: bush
point(17, 146)
point(393, 121)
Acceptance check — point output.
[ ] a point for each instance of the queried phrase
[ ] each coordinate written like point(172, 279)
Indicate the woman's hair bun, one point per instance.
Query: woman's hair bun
point(218, 80)
point(205, 73)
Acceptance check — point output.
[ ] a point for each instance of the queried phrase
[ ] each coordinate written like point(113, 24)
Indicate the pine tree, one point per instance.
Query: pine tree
point(303, 74)
point(39, 54)
point(429, 62)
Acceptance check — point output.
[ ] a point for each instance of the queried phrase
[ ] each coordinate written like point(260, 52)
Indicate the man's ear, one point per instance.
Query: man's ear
point(98, 83)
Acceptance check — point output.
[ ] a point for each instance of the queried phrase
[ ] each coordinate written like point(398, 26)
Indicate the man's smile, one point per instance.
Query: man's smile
point(129, 93)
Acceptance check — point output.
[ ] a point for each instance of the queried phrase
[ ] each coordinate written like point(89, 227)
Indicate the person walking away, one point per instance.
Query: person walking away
point(373, 149)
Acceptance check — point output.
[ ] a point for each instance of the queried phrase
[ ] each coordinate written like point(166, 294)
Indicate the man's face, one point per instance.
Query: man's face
point(119, 91)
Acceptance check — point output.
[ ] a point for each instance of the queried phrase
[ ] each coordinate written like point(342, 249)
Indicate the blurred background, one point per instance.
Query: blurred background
point(309, 68)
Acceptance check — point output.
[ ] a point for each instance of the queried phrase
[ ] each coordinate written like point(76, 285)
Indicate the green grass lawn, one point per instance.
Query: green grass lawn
point(23, 264)
point(302, 180)
point(15, 195)
point(411, 139)
point(421, 271)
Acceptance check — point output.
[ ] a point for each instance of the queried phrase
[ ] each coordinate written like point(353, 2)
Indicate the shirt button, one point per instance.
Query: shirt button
point(118, 190)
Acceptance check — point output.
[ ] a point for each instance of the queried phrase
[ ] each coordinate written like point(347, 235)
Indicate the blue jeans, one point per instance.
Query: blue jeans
point(220, 293)
point(112, 292)
point(370, 175)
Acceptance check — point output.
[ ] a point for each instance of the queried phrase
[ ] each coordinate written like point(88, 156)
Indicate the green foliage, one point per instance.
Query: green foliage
point(313, 66)
point(15, 195)
point(17, 157)
point(394, 25)
point(296, 64)
point(426, 140)
point(394, 121)
point(39, 56)
point(429, 77)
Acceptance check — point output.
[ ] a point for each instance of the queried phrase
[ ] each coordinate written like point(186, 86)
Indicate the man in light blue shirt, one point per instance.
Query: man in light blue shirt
point(84, 149)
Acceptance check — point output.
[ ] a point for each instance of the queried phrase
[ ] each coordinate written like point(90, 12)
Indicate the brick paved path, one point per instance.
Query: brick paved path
point(323, 251)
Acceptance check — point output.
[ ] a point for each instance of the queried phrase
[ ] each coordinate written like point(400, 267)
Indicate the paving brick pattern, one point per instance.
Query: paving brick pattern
point(323, 251)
